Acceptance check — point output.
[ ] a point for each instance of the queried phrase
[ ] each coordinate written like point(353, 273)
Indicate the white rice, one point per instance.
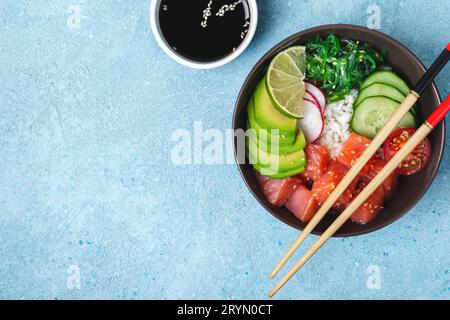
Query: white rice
point(337, 120)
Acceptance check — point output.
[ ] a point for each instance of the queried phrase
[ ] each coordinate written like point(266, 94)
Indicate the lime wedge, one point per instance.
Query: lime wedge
point(284, 81)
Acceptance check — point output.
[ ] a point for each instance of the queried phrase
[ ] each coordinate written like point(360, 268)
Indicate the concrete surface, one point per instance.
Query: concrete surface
point(92, 206)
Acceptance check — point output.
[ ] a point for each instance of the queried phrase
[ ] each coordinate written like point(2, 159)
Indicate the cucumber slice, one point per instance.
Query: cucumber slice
point(275, 162)
point(386, 77)
point(267, 115)
point(373, 113)
point(285, 138)
point(380, 89)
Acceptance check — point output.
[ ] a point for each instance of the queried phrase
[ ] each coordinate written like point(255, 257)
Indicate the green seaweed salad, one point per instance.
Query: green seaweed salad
point(338, 65)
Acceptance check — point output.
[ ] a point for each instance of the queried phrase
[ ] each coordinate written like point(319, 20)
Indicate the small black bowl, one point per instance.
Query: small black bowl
point(409, 67)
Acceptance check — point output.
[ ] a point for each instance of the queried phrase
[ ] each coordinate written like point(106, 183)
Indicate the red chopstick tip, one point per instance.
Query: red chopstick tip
point(448, 46)
point(439, 113)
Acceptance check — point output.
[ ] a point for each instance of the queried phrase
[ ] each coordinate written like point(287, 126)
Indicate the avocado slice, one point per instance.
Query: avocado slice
point(274, 162)
point(272, 143)
point(267, 115)
point(285, 138)
point(278, 174)
point(275, 173)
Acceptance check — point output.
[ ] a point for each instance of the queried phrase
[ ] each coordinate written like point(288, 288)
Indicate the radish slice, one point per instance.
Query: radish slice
point(310, 96)
point(312, 123)
point(318, 93)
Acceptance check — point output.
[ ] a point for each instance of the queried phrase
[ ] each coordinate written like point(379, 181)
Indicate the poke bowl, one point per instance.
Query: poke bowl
point(402, 70)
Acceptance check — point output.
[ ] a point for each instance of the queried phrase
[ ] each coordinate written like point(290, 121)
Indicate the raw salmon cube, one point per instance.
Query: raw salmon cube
point(352, 149)
point(278, 191)
point(317, 158)
point(323, 187)
point(372, 168)
point(371, 207)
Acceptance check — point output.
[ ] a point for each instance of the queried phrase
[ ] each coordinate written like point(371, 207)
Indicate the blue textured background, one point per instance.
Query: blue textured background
point(85, 176)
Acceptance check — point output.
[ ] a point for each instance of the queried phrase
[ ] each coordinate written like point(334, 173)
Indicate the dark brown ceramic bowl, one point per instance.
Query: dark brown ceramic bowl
point(408, 66)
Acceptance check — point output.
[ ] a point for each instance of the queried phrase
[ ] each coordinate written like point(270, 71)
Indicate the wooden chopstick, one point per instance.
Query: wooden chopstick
point(349, 177)
point(409, 146)
point(376, 143)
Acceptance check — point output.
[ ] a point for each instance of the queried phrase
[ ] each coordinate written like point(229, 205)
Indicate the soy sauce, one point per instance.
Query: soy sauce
point(204, 30)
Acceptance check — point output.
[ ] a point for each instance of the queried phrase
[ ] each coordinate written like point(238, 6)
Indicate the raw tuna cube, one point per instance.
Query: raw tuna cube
point(278, 191)
point(323, 187)
point(317, 158)
point(303, 204)
point(374, 204)
point(352, 149)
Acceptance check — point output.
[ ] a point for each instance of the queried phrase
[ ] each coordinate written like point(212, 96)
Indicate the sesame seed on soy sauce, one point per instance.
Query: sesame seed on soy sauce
point(204, 30)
